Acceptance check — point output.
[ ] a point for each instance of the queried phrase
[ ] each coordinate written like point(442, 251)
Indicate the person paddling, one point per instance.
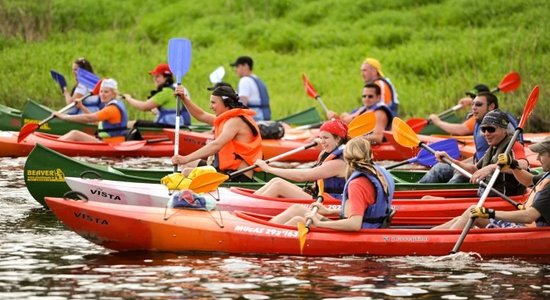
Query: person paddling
point(494, 128)
point(161, 101)
point(237, 142)
point(113, 118)
point(80, 93)
point(482, 104)
point(371, 102)
point(330, 167)
point(537, 206)
point(366, 199)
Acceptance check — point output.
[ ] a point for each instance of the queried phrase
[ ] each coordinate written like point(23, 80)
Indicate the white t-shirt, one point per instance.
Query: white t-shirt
point(249, 89)
point(81, 89)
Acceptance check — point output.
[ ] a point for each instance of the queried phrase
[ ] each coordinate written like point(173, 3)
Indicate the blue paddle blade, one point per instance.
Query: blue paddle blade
point(60, 79)
point(87, 78)
point(427, 159)
point(179, 57)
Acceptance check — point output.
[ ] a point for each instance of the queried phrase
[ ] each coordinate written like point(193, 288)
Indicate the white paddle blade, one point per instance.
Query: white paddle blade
point(217, 75)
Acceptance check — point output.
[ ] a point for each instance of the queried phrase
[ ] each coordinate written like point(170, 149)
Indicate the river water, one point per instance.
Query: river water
point(41, 259)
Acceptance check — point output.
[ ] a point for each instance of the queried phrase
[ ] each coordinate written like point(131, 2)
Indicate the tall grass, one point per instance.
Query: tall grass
point(432, 50)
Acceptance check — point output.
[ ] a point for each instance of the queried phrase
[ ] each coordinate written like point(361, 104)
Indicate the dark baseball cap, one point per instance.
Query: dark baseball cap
point(243, 60)
point(477, 89)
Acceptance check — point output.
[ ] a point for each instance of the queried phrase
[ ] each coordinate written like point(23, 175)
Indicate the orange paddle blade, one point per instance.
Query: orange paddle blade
point(403, 134)
point(362, 124)
point(417, 124)
point(309, 88)
point(207, 182)
point(302, 232)
point(510, 82)
point(26, 130)
point(529, 105)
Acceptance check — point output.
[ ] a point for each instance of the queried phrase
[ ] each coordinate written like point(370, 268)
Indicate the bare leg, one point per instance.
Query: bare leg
point(289, 213)
point(281, 188)
point(461, 221)
point(78, 136)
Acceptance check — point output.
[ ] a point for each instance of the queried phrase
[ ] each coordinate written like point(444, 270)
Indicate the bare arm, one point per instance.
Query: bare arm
point(328, 169)
point(230, 130)
point(377, 135)
point(197, 112)
point(141, 105)
point(82, 118)
point(523, 176)
point(451, 128)
point(527, 216)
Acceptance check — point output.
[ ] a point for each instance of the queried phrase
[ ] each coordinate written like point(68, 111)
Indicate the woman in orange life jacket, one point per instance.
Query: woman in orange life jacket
point(330, 167)
point(366, 199)
point(112, 118)
point(237, 140)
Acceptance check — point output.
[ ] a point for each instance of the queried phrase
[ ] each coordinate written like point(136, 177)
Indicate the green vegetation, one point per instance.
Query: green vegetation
point(432, 50)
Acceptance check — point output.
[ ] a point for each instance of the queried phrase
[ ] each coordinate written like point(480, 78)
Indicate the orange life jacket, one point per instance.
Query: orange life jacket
point(233, 153)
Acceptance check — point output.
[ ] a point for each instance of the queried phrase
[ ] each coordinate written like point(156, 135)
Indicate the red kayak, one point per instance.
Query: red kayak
point(129, 228)
point(410, 208)
point(191, 141)
point(10, 147)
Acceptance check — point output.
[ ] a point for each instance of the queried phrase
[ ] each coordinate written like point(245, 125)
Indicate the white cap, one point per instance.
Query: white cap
point(109, 83)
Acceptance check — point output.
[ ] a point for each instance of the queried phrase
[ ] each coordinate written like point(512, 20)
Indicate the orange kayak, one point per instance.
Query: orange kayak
point(191, 141)
point(132, 228)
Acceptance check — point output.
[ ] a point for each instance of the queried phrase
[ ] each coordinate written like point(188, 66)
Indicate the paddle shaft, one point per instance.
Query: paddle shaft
point(274, 158)
point(467, 174)
point(485, 193)
point(62, 110)
point(177, 134)
point(401, 163)
point(318, 98)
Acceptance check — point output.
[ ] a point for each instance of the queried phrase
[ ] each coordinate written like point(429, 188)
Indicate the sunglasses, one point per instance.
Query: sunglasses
point(477, 104)
point(489, 129)
point(369, 96)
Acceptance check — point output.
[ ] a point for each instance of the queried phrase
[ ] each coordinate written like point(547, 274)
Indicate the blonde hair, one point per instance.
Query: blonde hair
point(358, 157)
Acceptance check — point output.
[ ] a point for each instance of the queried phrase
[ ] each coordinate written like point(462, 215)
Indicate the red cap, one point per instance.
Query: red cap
point(161, 69)
point(336, 127)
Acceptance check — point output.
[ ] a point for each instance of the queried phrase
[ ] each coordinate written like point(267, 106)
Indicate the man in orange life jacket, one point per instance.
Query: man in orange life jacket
point(537, 205)
point(237, 142)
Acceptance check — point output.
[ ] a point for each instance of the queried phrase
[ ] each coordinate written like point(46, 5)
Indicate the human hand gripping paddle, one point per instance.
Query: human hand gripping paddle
point(179, 60)
point(311, 92)
point(405, 136)
point(361, 125)
point(426, 158)
point(529, 105)
point(60, 79)
point(510, 82)
point(303, 229)
point(32, 127)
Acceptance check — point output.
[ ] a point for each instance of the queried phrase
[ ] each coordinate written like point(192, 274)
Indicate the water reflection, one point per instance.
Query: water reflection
point(40, 258)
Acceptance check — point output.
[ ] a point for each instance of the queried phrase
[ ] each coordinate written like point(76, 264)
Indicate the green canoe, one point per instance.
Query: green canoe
point(10, 118)
point(34, 112)
point(45, 172)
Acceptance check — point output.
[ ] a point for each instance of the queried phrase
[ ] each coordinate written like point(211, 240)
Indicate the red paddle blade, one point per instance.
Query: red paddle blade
point(417, 124)
point(97, 87)
point(26, 131)
point(510, 82)
point(309, 88)
point(529, 105)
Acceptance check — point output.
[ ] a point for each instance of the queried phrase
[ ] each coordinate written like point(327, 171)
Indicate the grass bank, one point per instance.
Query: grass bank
point(432, 50)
